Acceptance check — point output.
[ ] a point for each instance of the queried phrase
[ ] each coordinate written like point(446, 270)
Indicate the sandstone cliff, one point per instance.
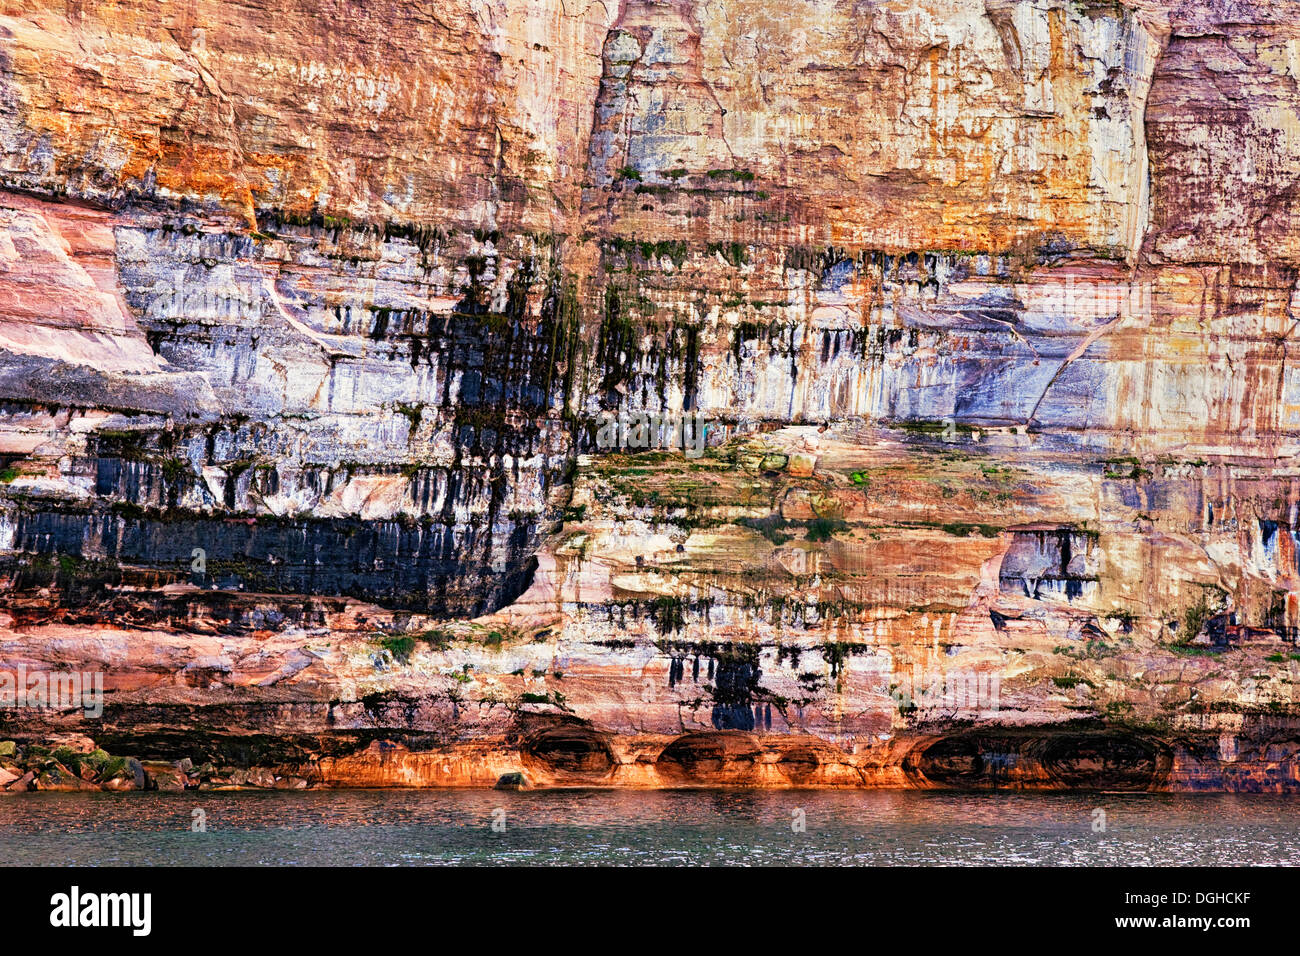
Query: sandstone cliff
point(312, 311)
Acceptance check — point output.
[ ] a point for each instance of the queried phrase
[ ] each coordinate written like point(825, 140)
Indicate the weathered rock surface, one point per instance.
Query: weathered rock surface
point(312, 314)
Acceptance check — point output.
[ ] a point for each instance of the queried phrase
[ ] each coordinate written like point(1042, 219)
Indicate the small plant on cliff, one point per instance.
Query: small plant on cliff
point(1118, 709)
point(1070, 682)
point(438, 640)
point(1128, 468)
point(412, 413)
point(399, 647)
point(1193, 620)
point(552, 697)
point(961, 530)
point(175, 469)
point(1197, 615)
point(734, 253)
point(1189, 650)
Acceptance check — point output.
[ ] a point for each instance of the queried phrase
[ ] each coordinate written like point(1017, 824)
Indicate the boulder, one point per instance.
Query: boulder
point(258, 777)
point(164, 776)
point(512, 781)
point(138, 776)
point(58, 778)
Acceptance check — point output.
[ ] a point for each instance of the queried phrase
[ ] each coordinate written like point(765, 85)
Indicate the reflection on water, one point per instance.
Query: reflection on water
point(369, 827)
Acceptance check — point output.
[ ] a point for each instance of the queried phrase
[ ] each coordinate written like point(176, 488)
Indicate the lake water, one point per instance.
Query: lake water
point(698, 827)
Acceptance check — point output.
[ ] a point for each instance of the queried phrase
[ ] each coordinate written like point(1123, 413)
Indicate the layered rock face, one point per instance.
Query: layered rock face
point(842, 393)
